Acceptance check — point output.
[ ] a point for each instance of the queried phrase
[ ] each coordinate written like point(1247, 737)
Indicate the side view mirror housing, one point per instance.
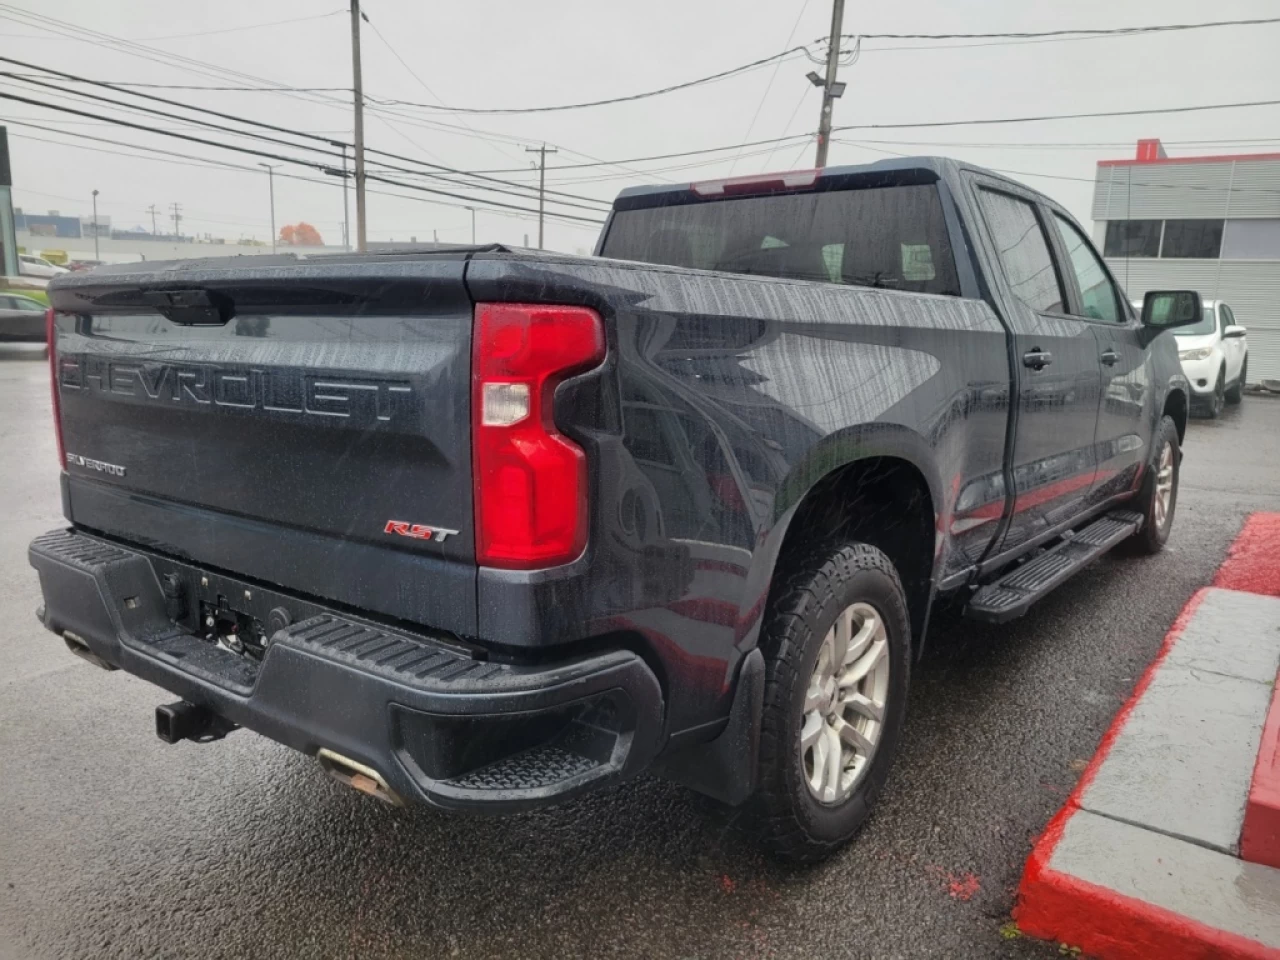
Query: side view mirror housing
point(1233, 331)
point(1165, 309)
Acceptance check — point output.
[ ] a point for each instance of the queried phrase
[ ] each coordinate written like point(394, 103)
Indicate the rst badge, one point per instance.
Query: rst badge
point(75, 460)
point(417, 531)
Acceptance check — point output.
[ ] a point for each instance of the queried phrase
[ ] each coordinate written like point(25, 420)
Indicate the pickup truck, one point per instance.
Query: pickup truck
point(488, 528)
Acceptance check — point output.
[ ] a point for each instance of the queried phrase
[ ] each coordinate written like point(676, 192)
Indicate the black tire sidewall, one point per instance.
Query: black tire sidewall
point(823, 824)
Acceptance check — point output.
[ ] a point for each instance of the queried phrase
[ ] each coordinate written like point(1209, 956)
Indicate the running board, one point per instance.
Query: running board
point(1012, 594)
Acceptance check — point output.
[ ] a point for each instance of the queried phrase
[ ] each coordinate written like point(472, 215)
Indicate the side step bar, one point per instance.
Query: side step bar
point(1013, 593)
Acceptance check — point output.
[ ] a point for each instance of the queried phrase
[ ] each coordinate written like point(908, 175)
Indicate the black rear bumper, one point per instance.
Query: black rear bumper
point(438, 721)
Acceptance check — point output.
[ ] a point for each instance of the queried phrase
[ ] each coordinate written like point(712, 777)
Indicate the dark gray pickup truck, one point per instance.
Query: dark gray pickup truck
point(489, 528)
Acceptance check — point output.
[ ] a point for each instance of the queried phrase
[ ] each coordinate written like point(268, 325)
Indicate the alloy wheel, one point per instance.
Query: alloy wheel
point(844, 705)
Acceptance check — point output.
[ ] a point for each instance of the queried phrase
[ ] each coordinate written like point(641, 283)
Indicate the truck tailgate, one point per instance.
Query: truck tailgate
point(303, 423)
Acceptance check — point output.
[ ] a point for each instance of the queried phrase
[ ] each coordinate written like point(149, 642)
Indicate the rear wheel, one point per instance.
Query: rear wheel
point(1158, 497)
point(837, 639)
point(1236, 393)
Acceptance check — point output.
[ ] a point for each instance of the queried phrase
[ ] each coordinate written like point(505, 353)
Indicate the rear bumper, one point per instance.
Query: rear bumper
point(439, 722)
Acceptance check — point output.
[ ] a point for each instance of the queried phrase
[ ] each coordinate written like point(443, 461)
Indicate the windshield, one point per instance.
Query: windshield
point(1205, 325)
point(892, 237)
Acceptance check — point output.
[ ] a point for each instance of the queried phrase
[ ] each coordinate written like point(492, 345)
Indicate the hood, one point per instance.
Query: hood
point(1194, 340)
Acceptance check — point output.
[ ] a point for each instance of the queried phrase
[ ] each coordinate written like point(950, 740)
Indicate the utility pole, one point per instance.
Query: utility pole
point(177, 220)
point(95, 225)
point(831, 89)
point(357, 88)
point(473, 224)
point(542, 152)
point(346, 209)
point(271, 189)
point(152, 210)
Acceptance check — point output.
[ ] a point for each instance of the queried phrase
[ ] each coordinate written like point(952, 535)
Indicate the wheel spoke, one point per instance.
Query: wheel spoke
point(852, 736)
point(841, 631)
point(811, 731)
point(866, 663)
point(864, 706)
point(835, 765)
point(858, 645)
point(813, 697)
point(821, 754)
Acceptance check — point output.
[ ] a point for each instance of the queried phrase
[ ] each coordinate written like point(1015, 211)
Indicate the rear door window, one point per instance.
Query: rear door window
point(1023, 250)
point(893, 237)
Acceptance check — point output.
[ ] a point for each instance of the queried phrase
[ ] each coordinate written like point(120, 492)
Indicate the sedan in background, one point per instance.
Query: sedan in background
point(21, 319)
point(33, 266)
point(1215, 358)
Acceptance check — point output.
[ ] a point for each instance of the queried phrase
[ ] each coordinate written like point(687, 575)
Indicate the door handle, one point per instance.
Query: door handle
point(1110, 358)
point(1037, 359)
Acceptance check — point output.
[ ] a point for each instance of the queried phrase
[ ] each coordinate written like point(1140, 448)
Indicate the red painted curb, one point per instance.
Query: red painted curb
point(1053, 906)
point(1108, 924)
point(1253, 562)
point(1260, 837)
point(1056, 906)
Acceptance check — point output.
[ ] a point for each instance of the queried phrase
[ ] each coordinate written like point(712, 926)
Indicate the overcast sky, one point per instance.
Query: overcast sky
point(516, 54)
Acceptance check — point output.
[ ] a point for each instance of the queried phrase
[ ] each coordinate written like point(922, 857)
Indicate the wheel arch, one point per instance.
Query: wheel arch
point(878, 485)
point(1176, 407)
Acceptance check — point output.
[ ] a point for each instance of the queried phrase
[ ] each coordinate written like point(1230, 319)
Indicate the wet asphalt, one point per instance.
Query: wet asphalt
point(113, 844)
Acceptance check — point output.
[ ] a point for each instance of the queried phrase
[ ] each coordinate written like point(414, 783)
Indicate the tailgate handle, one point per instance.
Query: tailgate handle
point(191, 307)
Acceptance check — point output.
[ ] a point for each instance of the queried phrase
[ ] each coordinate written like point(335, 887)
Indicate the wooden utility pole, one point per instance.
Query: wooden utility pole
point(830, 88)
point(357, 88)
point(542, 152)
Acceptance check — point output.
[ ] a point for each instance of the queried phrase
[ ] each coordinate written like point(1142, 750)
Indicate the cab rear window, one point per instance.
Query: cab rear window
point(893, 237)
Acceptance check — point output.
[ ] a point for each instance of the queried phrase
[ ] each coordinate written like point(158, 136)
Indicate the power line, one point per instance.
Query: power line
point(1059, 116)
point(413, 73)
point(247, 26)
point(297, 133)
point(922, 124)
point(769, 86)
point(201, 68)
point(711, 78)
point(189, 160)
point(1065, 33)
point(275, 156)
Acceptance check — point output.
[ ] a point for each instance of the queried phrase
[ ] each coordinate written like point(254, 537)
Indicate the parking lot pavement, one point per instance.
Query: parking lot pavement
point(116, 845)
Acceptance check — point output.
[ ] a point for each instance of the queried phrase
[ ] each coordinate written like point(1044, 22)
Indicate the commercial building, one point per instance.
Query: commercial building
point(1207, 223)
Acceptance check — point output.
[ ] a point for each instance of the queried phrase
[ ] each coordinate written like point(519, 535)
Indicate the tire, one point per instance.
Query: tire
point(794, 820)
point(1236, 393)
point(1156, 524)
point(1218, 399)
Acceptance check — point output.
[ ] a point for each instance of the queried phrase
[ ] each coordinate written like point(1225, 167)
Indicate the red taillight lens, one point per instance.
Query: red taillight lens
point(51, 341)
point(530, 480)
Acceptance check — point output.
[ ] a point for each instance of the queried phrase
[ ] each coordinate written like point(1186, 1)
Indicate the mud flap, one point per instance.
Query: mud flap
point(725, 768)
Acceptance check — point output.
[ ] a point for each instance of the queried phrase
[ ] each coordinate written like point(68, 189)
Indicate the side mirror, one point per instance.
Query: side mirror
point(1163, 309)
point(1233, 331)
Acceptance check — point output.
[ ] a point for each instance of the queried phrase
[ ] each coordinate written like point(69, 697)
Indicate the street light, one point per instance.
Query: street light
point(95, 225)
point(271, 187)
point(473, 224)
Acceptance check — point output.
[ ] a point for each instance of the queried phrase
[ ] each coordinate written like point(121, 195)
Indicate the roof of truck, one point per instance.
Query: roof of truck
point(941, 167)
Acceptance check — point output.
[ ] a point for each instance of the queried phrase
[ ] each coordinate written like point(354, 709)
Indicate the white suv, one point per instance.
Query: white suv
point(1215, 357)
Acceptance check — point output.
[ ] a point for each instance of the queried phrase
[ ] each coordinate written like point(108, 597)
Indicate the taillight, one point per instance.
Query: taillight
point(530, 480)
point(51, 341)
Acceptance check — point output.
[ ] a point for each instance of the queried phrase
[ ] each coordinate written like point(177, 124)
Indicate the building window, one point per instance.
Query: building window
point(1251, 239)
point(1200, 239)
point(1133, 238)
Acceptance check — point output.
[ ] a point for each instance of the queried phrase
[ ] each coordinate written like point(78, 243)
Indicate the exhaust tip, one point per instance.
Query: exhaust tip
point(357, 776)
